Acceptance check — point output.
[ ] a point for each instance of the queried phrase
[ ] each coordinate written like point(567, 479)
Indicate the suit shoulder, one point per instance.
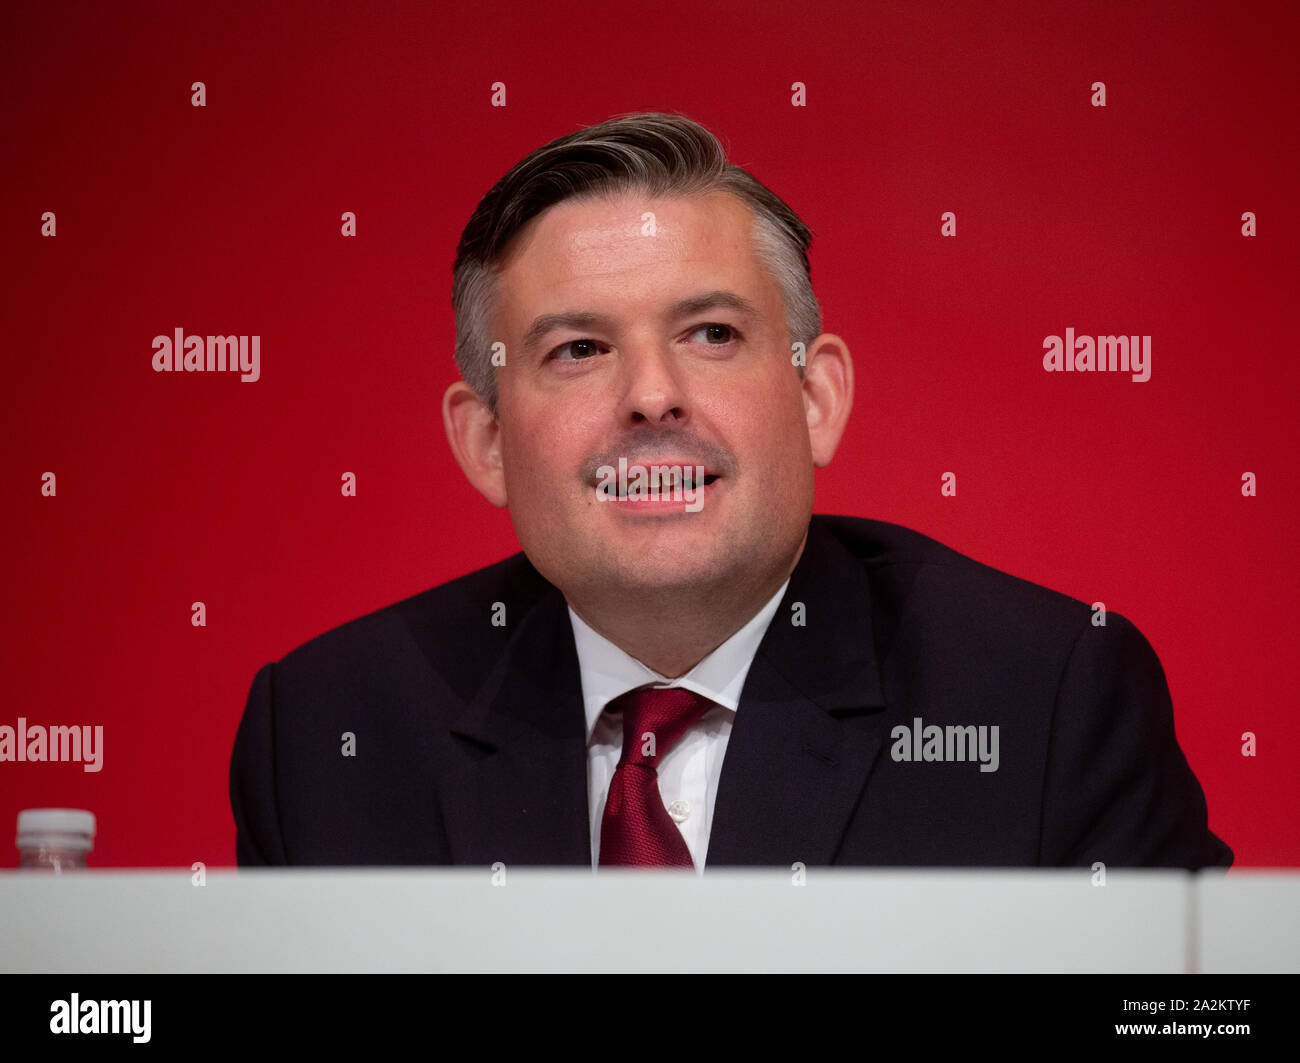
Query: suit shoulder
point(915, 571)
point(450, 626)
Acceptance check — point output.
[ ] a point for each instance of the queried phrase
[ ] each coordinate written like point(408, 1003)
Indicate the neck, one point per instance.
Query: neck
point(674, 634)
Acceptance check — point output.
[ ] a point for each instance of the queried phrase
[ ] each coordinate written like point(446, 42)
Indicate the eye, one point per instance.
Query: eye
point(728, 333)
point(582, 350)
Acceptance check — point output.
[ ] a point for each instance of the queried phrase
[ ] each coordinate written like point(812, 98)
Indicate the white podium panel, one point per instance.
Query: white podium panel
point(1249, 922)
point(531, 920)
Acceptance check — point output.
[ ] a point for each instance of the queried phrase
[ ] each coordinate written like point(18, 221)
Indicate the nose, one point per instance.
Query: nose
point(654, 388)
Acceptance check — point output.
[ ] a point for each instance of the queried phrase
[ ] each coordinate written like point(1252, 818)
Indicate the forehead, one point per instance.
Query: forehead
point(628, 247)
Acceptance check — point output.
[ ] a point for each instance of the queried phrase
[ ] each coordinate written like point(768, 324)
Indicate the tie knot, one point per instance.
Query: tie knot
point(654, 720)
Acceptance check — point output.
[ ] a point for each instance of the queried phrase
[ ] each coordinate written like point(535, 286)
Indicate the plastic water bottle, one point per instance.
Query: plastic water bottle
point(55, 839)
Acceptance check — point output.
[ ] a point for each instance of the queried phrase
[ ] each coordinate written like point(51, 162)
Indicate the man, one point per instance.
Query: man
point(684, 667)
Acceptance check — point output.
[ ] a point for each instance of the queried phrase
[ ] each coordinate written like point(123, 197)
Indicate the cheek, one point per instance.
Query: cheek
point(553, 434)
point(779, 465)
point(764, 417)
point(522, 449)
point(541, 455)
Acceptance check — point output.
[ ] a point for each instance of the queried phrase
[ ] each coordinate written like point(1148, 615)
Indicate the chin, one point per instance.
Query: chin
point(667, 568)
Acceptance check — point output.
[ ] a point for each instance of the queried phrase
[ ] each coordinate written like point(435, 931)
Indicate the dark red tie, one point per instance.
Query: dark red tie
point(636, 830)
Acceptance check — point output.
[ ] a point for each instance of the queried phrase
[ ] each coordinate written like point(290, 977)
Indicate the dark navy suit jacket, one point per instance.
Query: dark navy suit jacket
point(470, 738)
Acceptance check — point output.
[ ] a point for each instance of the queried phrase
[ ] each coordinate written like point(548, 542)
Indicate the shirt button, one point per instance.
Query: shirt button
point(680, 811)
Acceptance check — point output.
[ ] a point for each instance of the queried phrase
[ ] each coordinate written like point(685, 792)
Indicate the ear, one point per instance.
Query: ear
point(827, 395)
point(475, 438)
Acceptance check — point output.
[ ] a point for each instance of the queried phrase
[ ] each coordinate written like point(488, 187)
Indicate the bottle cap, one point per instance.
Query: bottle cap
point(67, 828)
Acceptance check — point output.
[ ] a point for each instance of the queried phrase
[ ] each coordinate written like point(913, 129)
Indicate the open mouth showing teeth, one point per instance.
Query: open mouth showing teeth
point(665, 483)
point(656, 484)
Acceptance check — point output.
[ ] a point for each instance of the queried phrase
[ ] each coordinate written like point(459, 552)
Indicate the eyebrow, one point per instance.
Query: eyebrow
point(583, 319)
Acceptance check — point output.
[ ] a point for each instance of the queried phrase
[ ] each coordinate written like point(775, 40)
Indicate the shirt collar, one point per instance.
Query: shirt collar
point(609, 671)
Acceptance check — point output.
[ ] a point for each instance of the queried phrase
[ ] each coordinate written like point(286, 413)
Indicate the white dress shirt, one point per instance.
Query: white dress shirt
point(689, 772)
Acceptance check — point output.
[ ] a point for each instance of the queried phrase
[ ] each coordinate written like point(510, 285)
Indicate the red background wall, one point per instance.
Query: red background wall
point(174, 488)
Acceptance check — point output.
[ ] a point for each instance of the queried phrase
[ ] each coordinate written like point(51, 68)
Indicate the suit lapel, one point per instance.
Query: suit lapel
point(806, 736)
point(523, 798)
point(809, 728)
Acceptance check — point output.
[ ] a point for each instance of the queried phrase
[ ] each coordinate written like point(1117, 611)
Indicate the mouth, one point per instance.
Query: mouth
point(661, 484)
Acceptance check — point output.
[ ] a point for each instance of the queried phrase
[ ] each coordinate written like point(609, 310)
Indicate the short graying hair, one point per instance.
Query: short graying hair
point(654, 153)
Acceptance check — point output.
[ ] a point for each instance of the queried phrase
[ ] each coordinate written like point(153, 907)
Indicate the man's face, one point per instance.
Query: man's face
point(648, 379)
